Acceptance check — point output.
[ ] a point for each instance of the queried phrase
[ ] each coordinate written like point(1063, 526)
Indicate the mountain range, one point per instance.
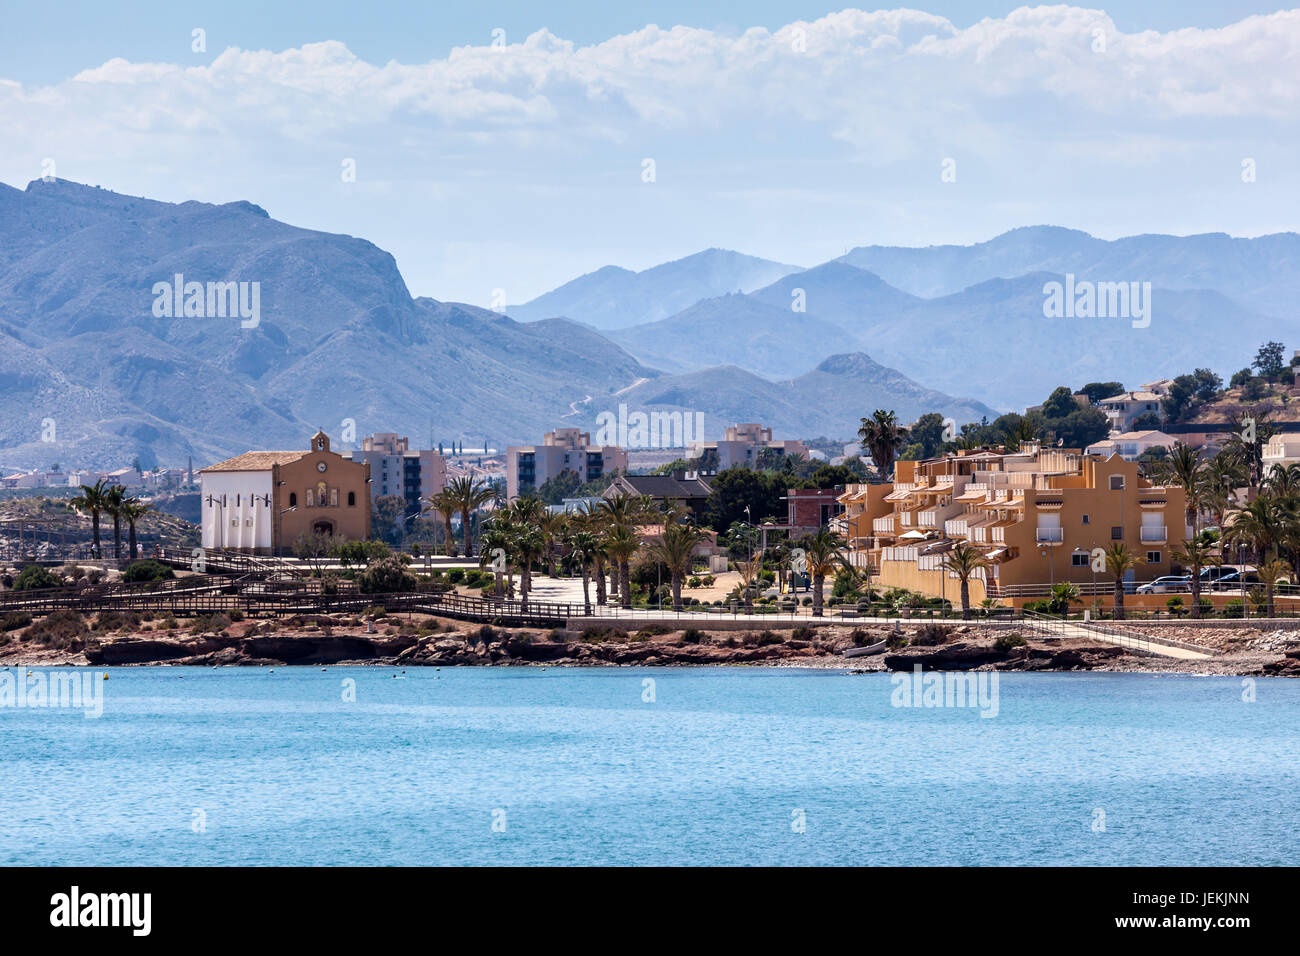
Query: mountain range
point(93, 373)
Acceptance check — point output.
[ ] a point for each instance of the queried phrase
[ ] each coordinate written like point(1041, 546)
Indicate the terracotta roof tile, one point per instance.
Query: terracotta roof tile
point(255, 461)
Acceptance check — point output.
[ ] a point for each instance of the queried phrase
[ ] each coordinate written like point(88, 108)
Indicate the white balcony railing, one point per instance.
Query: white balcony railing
point(1050, 535)
point(1153, 533)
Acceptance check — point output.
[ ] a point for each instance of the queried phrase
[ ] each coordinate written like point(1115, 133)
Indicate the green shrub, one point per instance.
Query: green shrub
point(12, 622)
point(386, 576)
point(456, 575)
point(1007, 641)
point(931, 635)
point(803, 633)
point(147, 571)
point(692, 635)
point(34, 578)
point(62, 629)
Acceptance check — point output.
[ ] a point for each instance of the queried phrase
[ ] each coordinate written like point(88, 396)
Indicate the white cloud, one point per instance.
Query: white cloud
point(872, 91)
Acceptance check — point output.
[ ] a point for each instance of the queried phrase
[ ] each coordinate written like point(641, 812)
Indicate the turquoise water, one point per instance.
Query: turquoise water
point(250, 766)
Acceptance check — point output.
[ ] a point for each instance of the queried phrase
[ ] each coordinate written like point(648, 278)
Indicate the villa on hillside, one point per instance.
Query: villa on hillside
point(1036, 515)
point(264, 501)
point(1131, 445)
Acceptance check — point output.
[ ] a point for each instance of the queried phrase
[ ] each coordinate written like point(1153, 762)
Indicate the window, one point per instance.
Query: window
point(1153, 557)
point(1117, 533)
point(238, 500)
point(1116, 482)
point(334, 497)
point(1086, 519)
point(1079, 559)
point(352, 499)
point(293, 499)
point(309, 500)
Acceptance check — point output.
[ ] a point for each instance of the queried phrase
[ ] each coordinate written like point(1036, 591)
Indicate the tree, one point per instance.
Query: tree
point(674, 548)
point(495, 542)
point(1080, 428)
point(1119, 561)
point(823, 554)
point(446, 505)
point(312, 548)
point(927, 437)
point(736, 488)
point(584, 546)
point(832, 476)
point(1060, 404)
point(529, 544)
point(387, 575)
point(1196, 554)
point(387, 516)
point(1185, 469)
point(621, 543)
point(113, 500)
point(1269, 361)
point(1271, 572)
point(882, 437)
point(92, 501)
point(469, 496)
point(963, 561)
point(1096, 391)
point(133, 509)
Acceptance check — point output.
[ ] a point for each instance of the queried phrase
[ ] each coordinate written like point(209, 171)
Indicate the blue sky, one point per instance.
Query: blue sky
point(784, 129)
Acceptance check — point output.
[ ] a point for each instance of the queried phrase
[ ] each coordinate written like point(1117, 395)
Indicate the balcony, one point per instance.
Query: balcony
point(1153, 534)
point(883, 525)
point(1049, 535)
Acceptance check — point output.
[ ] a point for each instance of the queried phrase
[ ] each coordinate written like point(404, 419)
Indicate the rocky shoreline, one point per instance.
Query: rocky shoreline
point(427, 641)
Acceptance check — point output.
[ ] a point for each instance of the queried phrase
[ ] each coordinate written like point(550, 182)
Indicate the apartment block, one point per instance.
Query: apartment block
point(741, 446)
point(398, 469)
point(1037, 516)
point(528, 467)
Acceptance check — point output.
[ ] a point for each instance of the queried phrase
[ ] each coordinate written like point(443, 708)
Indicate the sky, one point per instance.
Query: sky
point(500, 149)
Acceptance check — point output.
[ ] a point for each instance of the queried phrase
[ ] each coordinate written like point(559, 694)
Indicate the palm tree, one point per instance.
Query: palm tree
point(446, 505)
point(133, 509)
point(674, 548)
point(748, 569)
point(1271, 572)
point(882, 437)
point(1224, 474)
point(621, 543)
point(964, 560)
point(469, 495)
point(113, 499)
point(495, 536)
point(1185, 469)
point(822, 551)
point(584, 546)
point(1196, 554)
point(93, 501)
point(592, 519)
point(1119, 561)
point(1261, 525)
point(529, 545)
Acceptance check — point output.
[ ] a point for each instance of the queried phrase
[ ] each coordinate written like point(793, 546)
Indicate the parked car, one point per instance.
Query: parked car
point(1233, 579)
point(1168, 584)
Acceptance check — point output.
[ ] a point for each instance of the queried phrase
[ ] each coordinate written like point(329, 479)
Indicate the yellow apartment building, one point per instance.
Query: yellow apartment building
point(1037, 515)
